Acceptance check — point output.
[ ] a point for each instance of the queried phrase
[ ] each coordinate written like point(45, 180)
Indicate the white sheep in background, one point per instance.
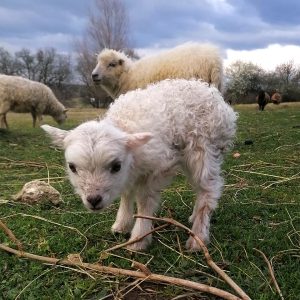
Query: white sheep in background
point(137, 148)
point(117, 74)
point(22, 95)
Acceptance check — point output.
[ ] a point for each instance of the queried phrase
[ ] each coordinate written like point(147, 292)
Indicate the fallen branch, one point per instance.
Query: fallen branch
point(10, 234)
point(124, 272)
point(271, 273)
point(208, 258)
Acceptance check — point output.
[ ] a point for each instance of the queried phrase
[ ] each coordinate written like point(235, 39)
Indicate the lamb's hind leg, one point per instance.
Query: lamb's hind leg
point(204, 171)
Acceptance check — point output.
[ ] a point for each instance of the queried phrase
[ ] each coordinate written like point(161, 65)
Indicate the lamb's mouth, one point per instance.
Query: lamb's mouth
point(95, 209)
point(97, 81)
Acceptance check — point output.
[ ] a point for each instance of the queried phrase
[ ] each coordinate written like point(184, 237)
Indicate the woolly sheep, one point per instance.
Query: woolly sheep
point(137, 148)
point(22, 95)
point(117, 74)
point(276, 98)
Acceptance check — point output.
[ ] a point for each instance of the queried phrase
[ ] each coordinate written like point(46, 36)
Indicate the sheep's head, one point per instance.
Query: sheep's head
point(111, 65)
point(99, 160)
point(61, 116)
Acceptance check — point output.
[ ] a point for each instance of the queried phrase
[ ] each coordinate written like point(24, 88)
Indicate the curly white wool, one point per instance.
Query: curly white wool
point(117, 73)
point(22, 95)
point(137, 148)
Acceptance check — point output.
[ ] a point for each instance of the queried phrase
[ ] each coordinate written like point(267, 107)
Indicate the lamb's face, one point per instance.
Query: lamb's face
point(99, 160)
point(98, 170)
point(110, 67)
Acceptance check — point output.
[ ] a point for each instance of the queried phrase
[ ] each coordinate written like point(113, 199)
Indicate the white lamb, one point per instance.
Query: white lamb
point(136, 149)
point(117, 74)
point(22, 95)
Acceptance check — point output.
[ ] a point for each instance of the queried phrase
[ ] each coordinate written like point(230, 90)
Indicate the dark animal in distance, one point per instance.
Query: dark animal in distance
point(262, 99)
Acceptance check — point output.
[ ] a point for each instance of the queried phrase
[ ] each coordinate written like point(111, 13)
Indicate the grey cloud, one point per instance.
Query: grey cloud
point(236, 24)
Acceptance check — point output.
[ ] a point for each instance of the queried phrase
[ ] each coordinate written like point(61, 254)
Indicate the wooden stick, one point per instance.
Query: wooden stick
point(124, 272)
point(208, 258)
point(271, 273)
point(136, 239)
point(141, 267)
point(10, 234)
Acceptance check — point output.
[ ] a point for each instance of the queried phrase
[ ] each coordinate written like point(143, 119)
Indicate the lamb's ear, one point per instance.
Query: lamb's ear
point(57, 135)
point(138, 139)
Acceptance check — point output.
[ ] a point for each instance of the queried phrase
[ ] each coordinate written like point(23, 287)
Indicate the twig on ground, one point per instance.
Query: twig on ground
point(271, 272)
point(207, 256)
point(141, 267)
point(117, 271)
point(10, 234)
point(135, 240)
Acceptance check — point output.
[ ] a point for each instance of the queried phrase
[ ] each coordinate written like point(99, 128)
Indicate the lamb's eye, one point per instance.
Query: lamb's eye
point(72, 167)
point(115, 166)
point(112, 64)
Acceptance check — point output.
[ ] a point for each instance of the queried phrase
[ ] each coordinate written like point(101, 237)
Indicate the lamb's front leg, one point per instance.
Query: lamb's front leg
point(124, 220)
point(147, 203)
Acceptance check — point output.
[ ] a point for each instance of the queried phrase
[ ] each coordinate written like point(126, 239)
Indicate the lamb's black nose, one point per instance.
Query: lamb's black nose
point(94, 200)
point(95, 76)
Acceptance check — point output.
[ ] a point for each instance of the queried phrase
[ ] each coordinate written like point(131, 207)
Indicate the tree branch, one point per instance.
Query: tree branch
point(208, 258)
point(124, 272)
point(271, 273)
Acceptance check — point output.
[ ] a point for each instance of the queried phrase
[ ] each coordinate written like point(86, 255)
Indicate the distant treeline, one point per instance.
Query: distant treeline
point(244, 80)
point(71, 83)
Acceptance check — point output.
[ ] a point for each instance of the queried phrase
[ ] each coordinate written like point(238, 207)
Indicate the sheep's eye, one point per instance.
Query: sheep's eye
point(72, 168)
point(115, 166)
point(112, 64)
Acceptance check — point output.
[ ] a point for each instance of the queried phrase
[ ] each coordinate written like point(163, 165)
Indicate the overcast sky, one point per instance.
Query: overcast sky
point(266, 32)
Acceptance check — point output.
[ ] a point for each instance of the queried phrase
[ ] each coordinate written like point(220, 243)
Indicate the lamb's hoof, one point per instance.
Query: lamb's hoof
point(141, 245)
point(192, 245)
point(117, 228)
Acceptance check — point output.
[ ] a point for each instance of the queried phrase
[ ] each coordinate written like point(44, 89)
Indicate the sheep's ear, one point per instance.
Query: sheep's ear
point(57, 135)
point(65, 110)
point(138, 139)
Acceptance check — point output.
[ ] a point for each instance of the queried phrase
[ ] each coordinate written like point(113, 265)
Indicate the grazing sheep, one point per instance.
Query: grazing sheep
point(276, 98)
point(262, 99)
point(136, 149)
point(22, 95)
point(117, 74)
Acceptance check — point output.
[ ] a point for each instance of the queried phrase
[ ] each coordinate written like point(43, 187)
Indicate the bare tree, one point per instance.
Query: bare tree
point(45, 65)
point(52, 68)
point(286, 72)
point(25, 63)
point(7, 63)
point(107, 27)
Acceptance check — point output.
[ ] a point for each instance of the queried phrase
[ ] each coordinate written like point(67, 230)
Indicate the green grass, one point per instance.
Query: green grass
point(259, 208)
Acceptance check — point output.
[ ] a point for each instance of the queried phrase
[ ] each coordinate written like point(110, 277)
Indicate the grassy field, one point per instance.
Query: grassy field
point(259, 209)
